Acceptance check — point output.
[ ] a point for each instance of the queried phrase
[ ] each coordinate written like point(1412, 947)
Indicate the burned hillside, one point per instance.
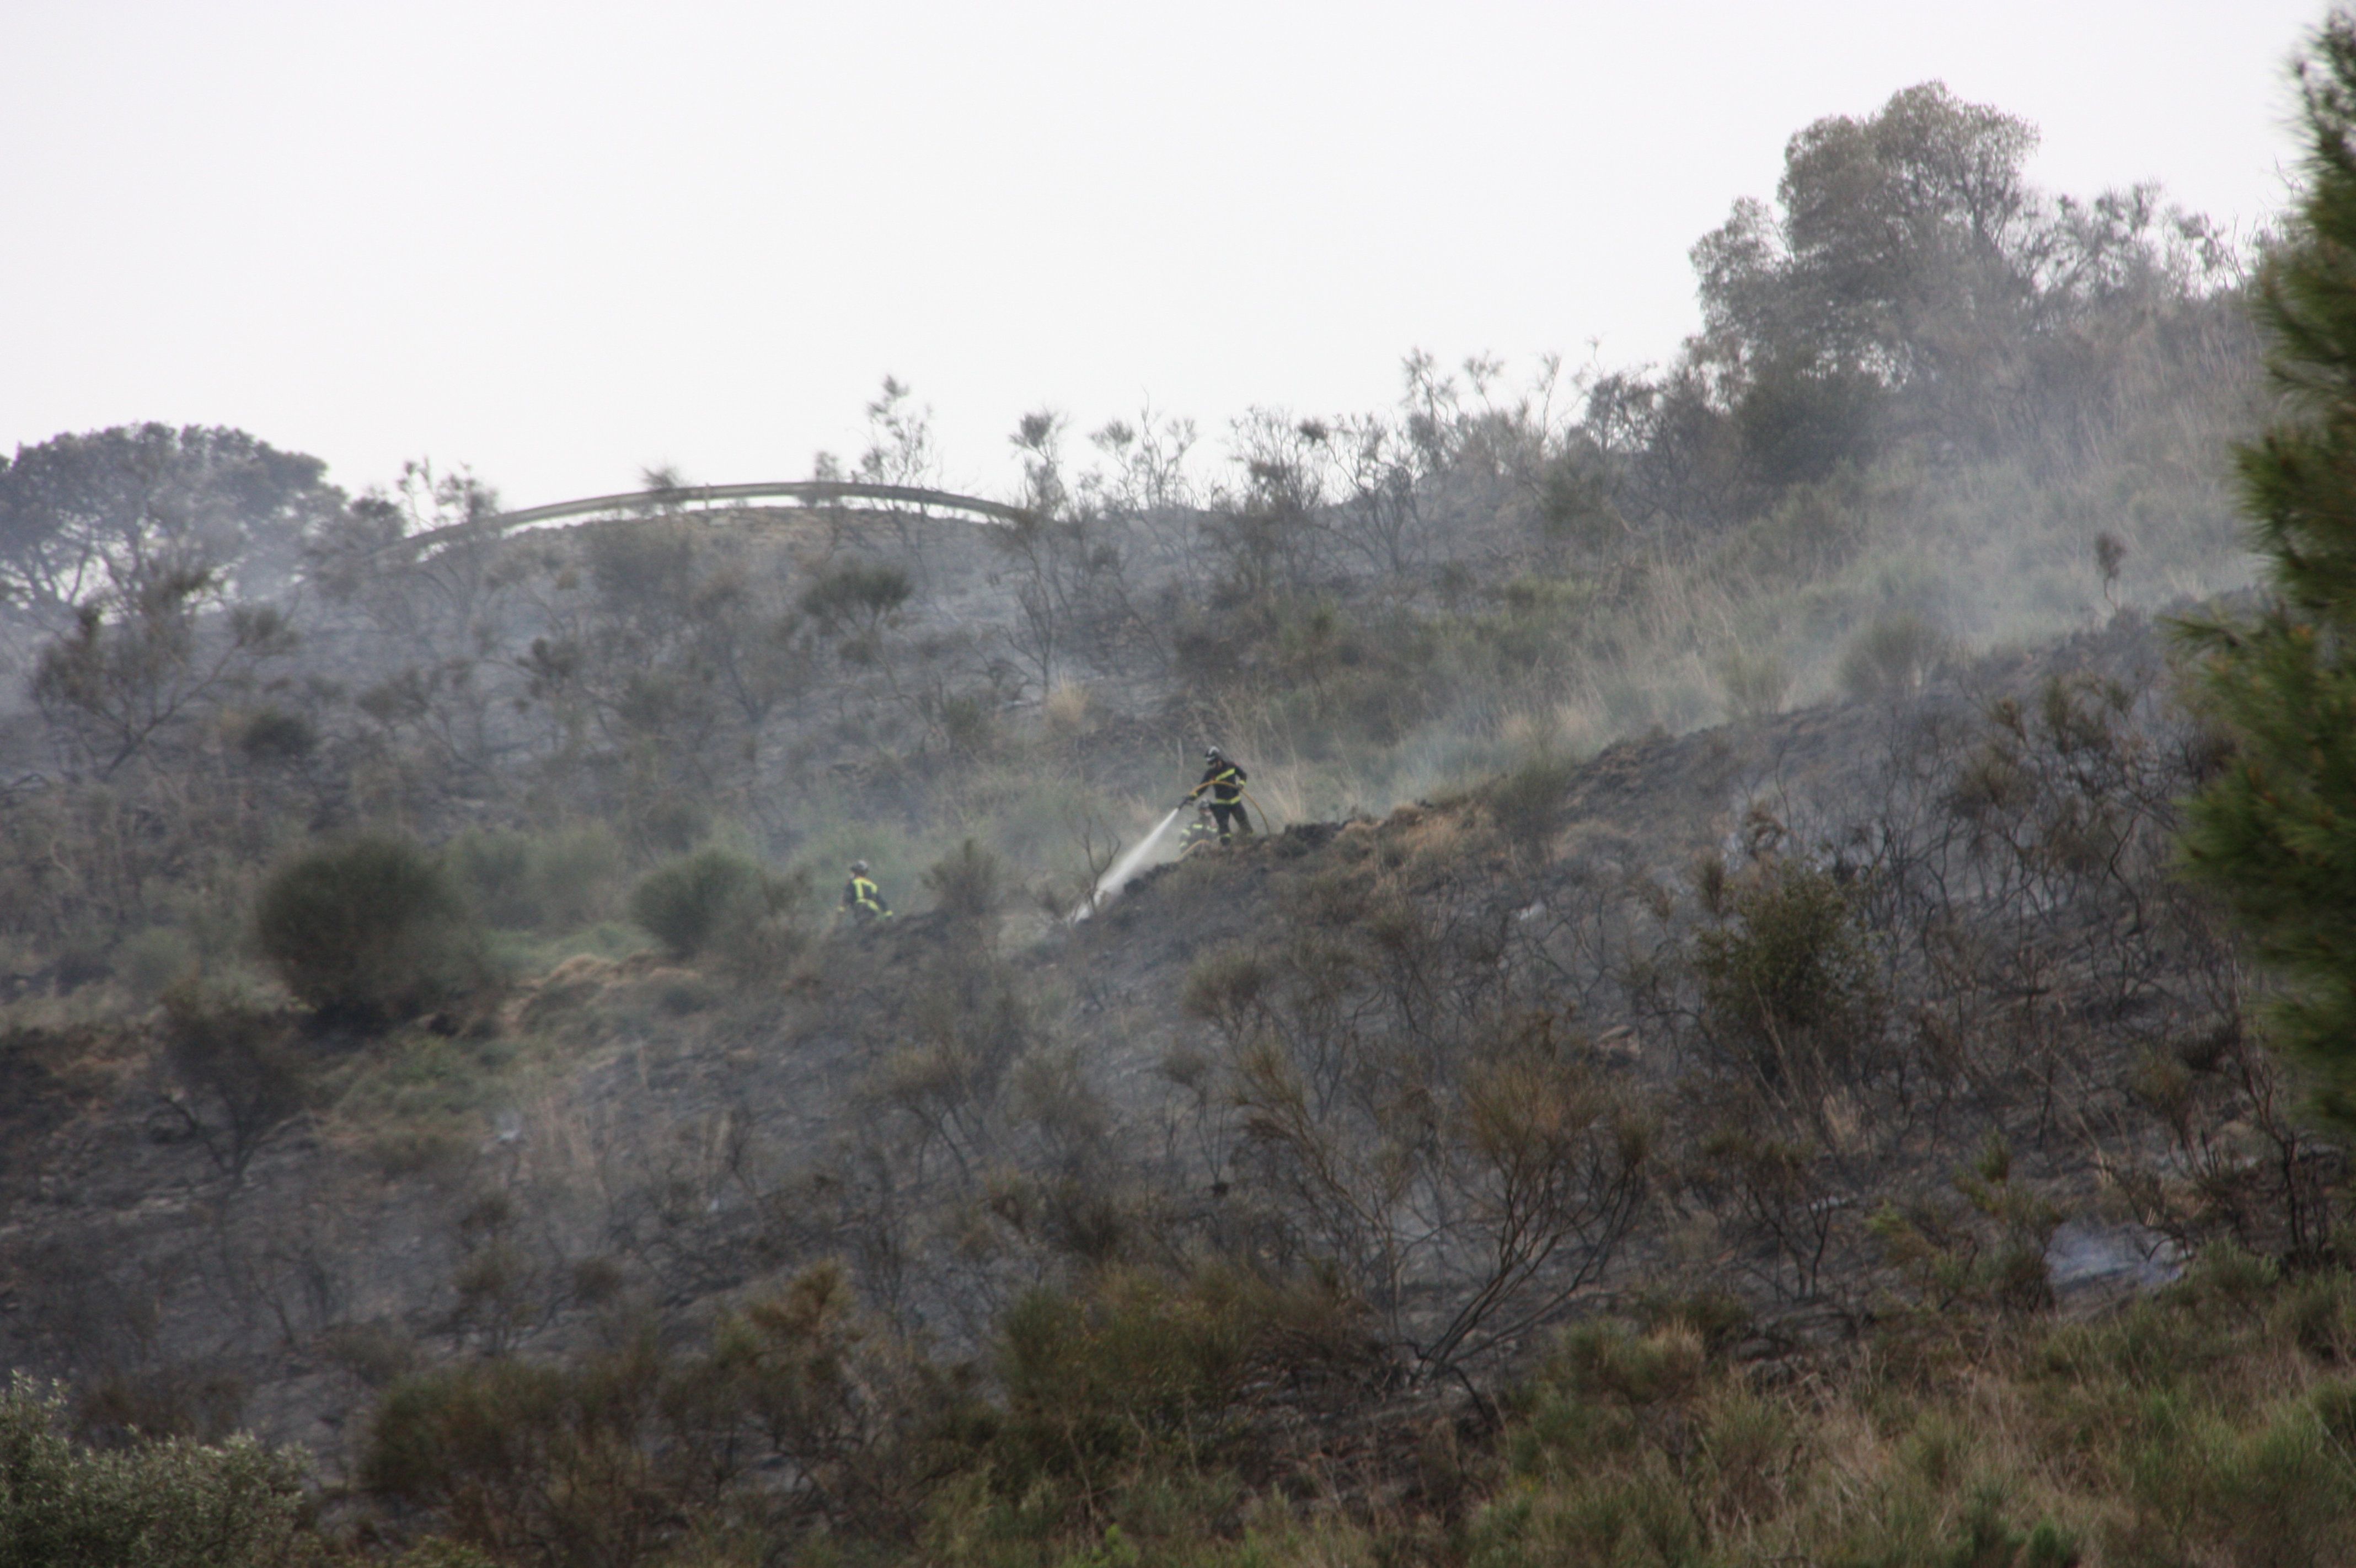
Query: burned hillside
point(1846, 1023)
point(1707, 1052)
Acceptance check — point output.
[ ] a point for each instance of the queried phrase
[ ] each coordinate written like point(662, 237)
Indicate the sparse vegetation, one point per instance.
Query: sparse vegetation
point(239, 1072)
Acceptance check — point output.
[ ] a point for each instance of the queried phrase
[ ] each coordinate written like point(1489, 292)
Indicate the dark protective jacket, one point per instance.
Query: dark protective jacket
point(863, 898)
point(1224, 780)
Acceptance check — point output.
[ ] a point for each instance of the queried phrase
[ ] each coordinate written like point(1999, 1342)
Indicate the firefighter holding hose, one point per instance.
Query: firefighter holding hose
point(1223, 780)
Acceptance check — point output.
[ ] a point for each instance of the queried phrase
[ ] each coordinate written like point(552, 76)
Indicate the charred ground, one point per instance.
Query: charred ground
point(1712, 1061)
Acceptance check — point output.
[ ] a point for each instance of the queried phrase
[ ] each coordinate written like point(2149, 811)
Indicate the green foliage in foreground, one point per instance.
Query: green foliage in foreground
point(172, 1504)
point(1205, 1420)
point(2275, 831)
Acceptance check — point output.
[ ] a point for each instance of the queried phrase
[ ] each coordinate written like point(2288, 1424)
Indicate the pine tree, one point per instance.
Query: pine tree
point(2274, 832)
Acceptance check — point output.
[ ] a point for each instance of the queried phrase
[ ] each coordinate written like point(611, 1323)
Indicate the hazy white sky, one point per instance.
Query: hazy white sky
point(563, 241)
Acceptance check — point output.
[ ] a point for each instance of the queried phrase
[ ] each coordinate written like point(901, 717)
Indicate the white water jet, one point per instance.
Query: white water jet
point(1124, 869)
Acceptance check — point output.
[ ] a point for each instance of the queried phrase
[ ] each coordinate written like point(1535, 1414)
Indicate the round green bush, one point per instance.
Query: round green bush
point(369, 932)
point(691, 903)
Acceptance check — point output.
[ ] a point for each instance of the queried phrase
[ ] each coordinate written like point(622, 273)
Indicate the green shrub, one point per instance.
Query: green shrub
point(576, 875)
point(494, 869)
point(1892, 657)
point(1789, 986)
point(527, 881)
point(1133, 1381)
point(2281, 1492)
point(1637, 1518)
point(369, 932)
point(1088, 1379)
point(1528, 803)
point(857, 593)
point(497, 1447)
point(434, 1552)
point(714, 902)
point(605, 1457)
point(150, 961)
point(274, 735)
point(172, 1504)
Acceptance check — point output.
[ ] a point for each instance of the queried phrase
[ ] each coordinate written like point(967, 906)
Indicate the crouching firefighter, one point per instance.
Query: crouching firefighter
point(1200, 832)
point(862, 898)
point(1223, 781)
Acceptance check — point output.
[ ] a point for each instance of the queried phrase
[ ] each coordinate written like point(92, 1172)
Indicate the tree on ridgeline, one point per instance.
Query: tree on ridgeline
point(2275, 831)
point(92, 513)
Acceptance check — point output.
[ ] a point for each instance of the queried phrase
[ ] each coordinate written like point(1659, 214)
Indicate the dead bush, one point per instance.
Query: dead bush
point(1776, 1196)
point(124, 1408)
point(968, 885)
point(239, 1071)
point(1468, 1176)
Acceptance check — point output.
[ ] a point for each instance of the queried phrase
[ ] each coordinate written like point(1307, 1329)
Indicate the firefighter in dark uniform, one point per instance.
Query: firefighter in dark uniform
point(863, 898)
point(1225, 782)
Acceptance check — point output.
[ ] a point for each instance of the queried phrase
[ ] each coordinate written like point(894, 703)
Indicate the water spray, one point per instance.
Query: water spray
point(1124, 868)
point(1127, 866)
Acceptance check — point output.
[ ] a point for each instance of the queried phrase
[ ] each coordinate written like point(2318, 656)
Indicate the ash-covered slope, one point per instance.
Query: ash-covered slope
point(1723, 1013)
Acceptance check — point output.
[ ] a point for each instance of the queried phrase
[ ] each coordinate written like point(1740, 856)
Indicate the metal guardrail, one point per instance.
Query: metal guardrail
point(809, 494)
